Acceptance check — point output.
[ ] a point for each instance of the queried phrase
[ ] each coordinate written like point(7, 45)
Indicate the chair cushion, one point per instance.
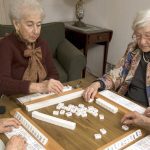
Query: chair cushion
point(62, 74)
point(5, 30)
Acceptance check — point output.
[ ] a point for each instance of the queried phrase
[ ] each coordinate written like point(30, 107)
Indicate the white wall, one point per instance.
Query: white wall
point(56, 10)
point(118, 16)
point(114, 14)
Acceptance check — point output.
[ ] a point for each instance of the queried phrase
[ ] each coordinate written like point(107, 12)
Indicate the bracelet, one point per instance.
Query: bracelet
point(102, 85)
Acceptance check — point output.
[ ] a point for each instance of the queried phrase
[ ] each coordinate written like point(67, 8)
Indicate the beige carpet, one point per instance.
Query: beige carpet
point(89, 77)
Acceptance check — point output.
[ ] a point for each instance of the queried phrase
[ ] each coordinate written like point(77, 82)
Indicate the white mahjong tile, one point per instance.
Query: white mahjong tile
point(103, 131)
point(55, 112)
point(97, 136)
point(101, 116)
point(62, 112)
point(90, 100)
point(81, 105)
point(84, 115)
point(68, 114)
point(125, 127)
point(94, 114)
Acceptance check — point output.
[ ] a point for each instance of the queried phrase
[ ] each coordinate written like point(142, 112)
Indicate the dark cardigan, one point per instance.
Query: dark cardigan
point(13, 64)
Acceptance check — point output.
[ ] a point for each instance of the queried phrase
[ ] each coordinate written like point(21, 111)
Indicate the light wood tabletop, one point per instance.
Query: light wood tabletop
point(82, 138)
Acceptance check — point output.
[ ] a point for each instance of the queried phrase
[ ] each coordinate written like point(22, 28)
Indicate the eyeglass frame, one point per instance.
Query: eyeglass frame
point(140, 36)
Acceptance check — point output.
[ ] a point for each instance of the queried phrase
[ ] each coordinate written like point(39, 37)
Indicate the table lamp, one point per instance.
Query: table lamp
point(79, 14)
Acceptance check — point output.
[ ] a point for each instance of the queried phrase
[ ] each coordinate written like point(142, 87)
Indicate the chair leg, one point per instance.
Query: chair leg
point(83, 72)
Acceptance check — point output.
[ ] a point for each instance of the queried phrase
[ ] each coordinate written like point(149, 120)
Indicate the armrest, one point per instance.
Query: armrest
point(72, 60)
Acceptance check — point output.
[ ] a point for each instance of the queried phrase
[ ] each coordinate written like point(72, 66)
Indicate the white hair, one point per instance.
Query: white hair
point(142, 19)
point(18, 8)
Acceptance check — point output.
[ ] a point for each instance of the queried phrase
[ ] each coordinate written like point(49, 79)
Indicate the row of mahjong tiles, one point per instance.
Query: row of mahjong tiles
point(91, 132)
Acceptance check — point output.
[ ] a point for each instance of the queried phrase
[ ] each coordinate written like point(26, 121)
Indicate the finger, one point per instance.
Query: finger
point(17, 139)
point(123, 119)
point(85, 94)
point(12, 122)
point(148, 109)
point(89, 93)
point(58, 83)
point(93, 94)
point(147, 114)
point(59, 87)
point(127, 116)
point(56, 89)
point(128, 122)
point(16, 121)
point(7, 129)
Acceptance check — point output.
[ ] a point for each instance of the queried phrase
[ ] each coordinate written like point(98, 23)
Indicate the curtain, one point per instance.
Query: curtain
point(4, 9)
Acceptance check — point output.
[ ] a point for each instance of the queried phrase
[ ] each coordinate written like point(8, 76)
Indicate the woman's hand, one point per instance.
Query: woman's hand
point(16, 143)
point(135, 118)
point(55, 86)
point(147, 112)
point(46, 86)
point(6, 124)
point(91, 91)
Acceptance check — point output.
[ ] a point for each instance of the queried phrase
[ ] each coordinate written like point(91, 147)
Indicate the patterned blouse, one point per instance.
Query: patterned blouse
point(121, 76)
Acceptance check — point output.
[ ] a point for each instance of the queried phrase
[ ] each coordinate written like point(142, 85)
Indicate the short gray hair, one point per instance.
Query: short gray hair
point(17, 6)
point(142, 19)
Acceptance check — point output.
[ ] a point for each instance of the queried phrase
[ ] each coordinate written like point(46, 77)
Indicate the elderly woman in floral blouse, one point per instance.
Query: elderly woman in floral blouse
point(131, 76)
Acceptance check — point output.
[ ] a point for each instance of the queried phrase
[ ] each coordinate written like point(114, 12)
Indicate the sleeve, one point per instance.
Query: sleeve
point(8, 85)
point(114, 78)
point(49, 63)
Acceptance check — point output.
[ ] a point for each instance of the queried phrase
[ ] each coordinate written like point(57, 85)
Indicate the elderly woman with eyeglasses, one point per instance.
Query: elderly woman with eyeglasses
point(26, 61)
point(131, 76)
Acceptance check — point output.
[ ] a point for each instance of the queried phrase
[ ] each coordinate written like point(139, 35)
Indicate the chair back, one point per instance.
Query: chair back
point(54, 34)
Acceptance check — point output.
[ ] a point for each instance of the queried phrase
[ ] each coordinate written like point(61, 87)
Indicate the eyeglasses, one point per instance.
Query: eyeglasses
point(138, 37)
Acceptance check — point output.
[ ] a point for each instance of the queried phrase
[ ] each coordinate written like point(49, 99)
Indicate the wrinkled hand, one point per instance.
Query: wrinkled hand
point(147, 112)
point(55, 86)
point(91, 91)
point(6, 124)
point(134, 118)
point(16, 143)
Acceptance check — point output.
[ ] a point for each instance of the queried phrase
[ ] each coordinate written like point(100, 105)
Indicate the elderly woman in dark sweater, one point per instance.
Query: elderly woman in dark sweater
point(26, 62)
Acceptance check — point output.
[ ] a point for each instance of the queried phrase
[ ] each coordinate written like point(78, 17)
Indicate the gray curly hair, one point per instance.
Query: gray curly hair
point(142, 19)
point(17, 7)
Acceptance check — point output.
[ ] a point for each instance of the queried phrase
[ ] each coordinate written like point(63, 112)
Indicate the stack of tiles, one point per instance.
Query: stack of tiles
point(107, 105)
point(125, 141)
point(36, 96)
point(31, 142)
point(53, 120)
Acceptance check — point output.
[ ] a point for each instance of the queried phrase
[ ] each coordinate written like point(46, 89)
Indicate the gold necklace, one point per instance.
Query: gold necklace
point(147, 61)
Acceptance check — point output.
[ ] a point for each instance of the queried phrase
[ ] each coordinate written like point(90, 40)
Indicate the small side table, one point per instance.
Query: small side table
point(83, 38)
